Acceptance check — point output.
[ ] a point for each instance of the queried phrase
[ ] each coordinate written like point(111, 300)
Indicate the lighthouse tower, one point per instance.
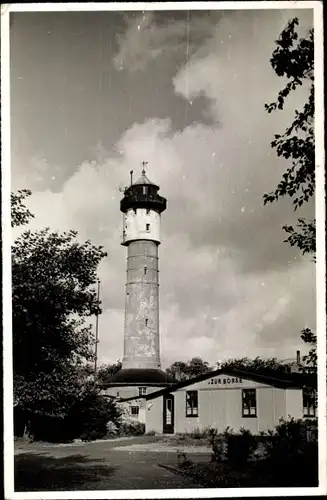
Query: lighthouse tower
point(142, 207)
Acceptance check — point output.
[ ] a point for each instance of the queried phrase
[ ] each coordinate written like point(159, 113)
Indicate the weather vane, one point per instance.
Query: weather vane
point(144, 163)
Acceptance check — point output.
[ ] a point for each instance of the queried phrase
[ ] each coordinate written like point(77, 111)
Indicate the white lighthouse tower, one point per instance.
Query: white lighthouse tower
point(141, 207)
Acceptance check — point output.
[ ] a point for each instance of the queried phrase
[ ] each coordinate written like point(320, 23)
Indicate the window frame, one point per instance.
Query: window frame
point(141, 389)
point(147, 227)
point(249, 406)
point(192, 411)
point(134, 407)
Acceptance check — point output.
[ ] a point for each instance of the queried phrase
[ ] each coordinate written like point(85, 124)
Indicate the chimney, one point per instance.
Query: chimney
point(298, 358)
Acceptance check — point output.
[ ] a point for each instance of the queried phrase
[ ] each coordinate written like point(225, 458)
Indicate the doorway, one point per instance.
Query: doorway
point(168, 414)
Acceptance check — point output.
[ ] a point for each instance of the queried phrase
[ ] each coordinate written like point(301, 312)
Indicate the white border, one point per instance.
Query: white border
point(6, 235)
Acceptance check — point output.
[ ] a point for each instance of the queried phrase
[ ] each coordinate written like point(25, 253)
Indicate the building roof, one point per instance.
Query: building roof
point(140, 377)
point(281, 381)
point(144, 180)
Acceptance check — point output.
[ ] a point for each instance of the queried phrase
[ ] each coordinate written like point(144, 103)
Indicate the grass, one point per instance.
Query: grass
point(253, 474)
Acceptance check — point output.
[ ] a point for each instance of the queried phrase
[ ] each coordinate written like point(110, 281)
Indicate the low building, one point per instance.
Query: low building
point(230, 398)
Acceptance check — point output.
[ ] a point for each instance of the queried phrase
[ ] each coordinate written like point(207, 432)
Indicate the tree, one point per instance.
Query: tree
point(270, 366)
point(310, 360)
point(53, 295)
point(106, 371)
point(20, 215)
point(190, 369)
point(293, 58)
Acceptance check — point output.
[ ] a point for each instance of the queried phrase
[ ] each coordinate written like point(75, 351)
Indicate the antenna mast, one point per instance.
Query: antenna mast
point(97, 330)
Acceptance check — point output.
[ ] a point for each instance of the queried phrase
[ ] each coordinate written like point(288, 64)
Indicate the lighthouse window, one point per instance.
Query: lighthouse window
point(147, 211)
point(134, 210)
point(145, 190)
point(145, 269)
point(146, 322)
point(147, 226)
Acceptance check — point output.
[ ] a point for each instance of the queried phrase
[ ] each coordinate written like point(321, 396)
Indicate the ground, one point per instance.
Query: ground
point(126, 463)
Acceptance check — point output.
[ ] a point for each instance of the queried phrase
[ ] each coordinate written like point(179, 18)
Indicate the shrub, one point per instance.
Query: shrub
point(292, 450)
point(131, 428)
point(240, 446)
point(198, 434)
point(112, 428)
point(151, 433)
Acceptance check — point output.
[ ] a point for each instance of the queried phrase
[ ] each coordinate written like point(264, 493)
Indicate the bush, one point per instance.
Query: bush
point(240, 447)
point(151, 433)
point(198, 434)
point(217, 444)
point(292, 451)
point(131, 428)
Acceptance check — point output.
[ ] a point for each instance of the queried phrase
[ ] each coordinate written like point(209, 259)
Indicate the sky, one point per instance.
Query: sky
point(93, 94)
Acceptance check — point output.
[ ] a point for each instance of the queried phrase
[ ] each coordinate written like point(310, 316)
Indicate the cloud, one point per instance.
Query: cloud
point(229, 286)
point(148, 36)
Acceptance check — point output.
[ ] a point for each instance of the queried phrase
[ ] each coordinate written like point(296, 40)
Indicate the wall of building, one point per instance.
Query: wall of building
point(135, 225)
point(153, 415)
point(127, 391)
point(220, 406)
point(294, 403)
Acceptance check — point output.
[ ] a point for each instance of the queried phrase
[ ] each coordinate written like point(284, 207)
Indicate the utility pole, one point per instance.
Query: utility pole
point(97, 330)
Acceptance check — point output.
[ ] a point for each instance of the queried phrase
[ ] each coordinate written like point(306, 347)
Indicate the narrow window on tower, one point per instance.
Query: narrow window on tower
point(145, 190)
point(147, 227)
point(147, 211)
point(146, 322)
point(145, 269)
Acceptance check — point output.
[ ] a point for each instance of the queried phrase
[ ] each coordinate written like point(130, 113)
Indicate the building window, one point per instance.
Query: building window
point(249, 403)
point(192, 407)
point(135, 411)
point(117, 395)
point(142, 391)
point(147, 227)
point(309, 403)
point(147, 211)
point(145, 269)
point(145, 190)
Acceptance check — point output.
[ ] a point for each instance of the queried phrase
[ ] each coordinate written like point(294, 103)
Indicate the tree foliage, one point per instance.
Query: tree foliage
point(310, 360)
point(20, 215)
point(293, 59)
point(189, 369)
point(106, 371)
point(53, 296)
point(258, 365)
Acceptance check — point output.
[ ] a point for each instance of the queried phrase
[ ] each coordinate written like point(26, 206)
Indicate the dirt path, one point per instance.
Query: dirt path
point(96, 466)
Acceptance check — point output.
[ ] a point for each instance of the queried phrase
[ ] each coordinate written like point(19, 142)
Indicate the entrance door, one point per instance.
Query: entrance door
point(168, 414)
